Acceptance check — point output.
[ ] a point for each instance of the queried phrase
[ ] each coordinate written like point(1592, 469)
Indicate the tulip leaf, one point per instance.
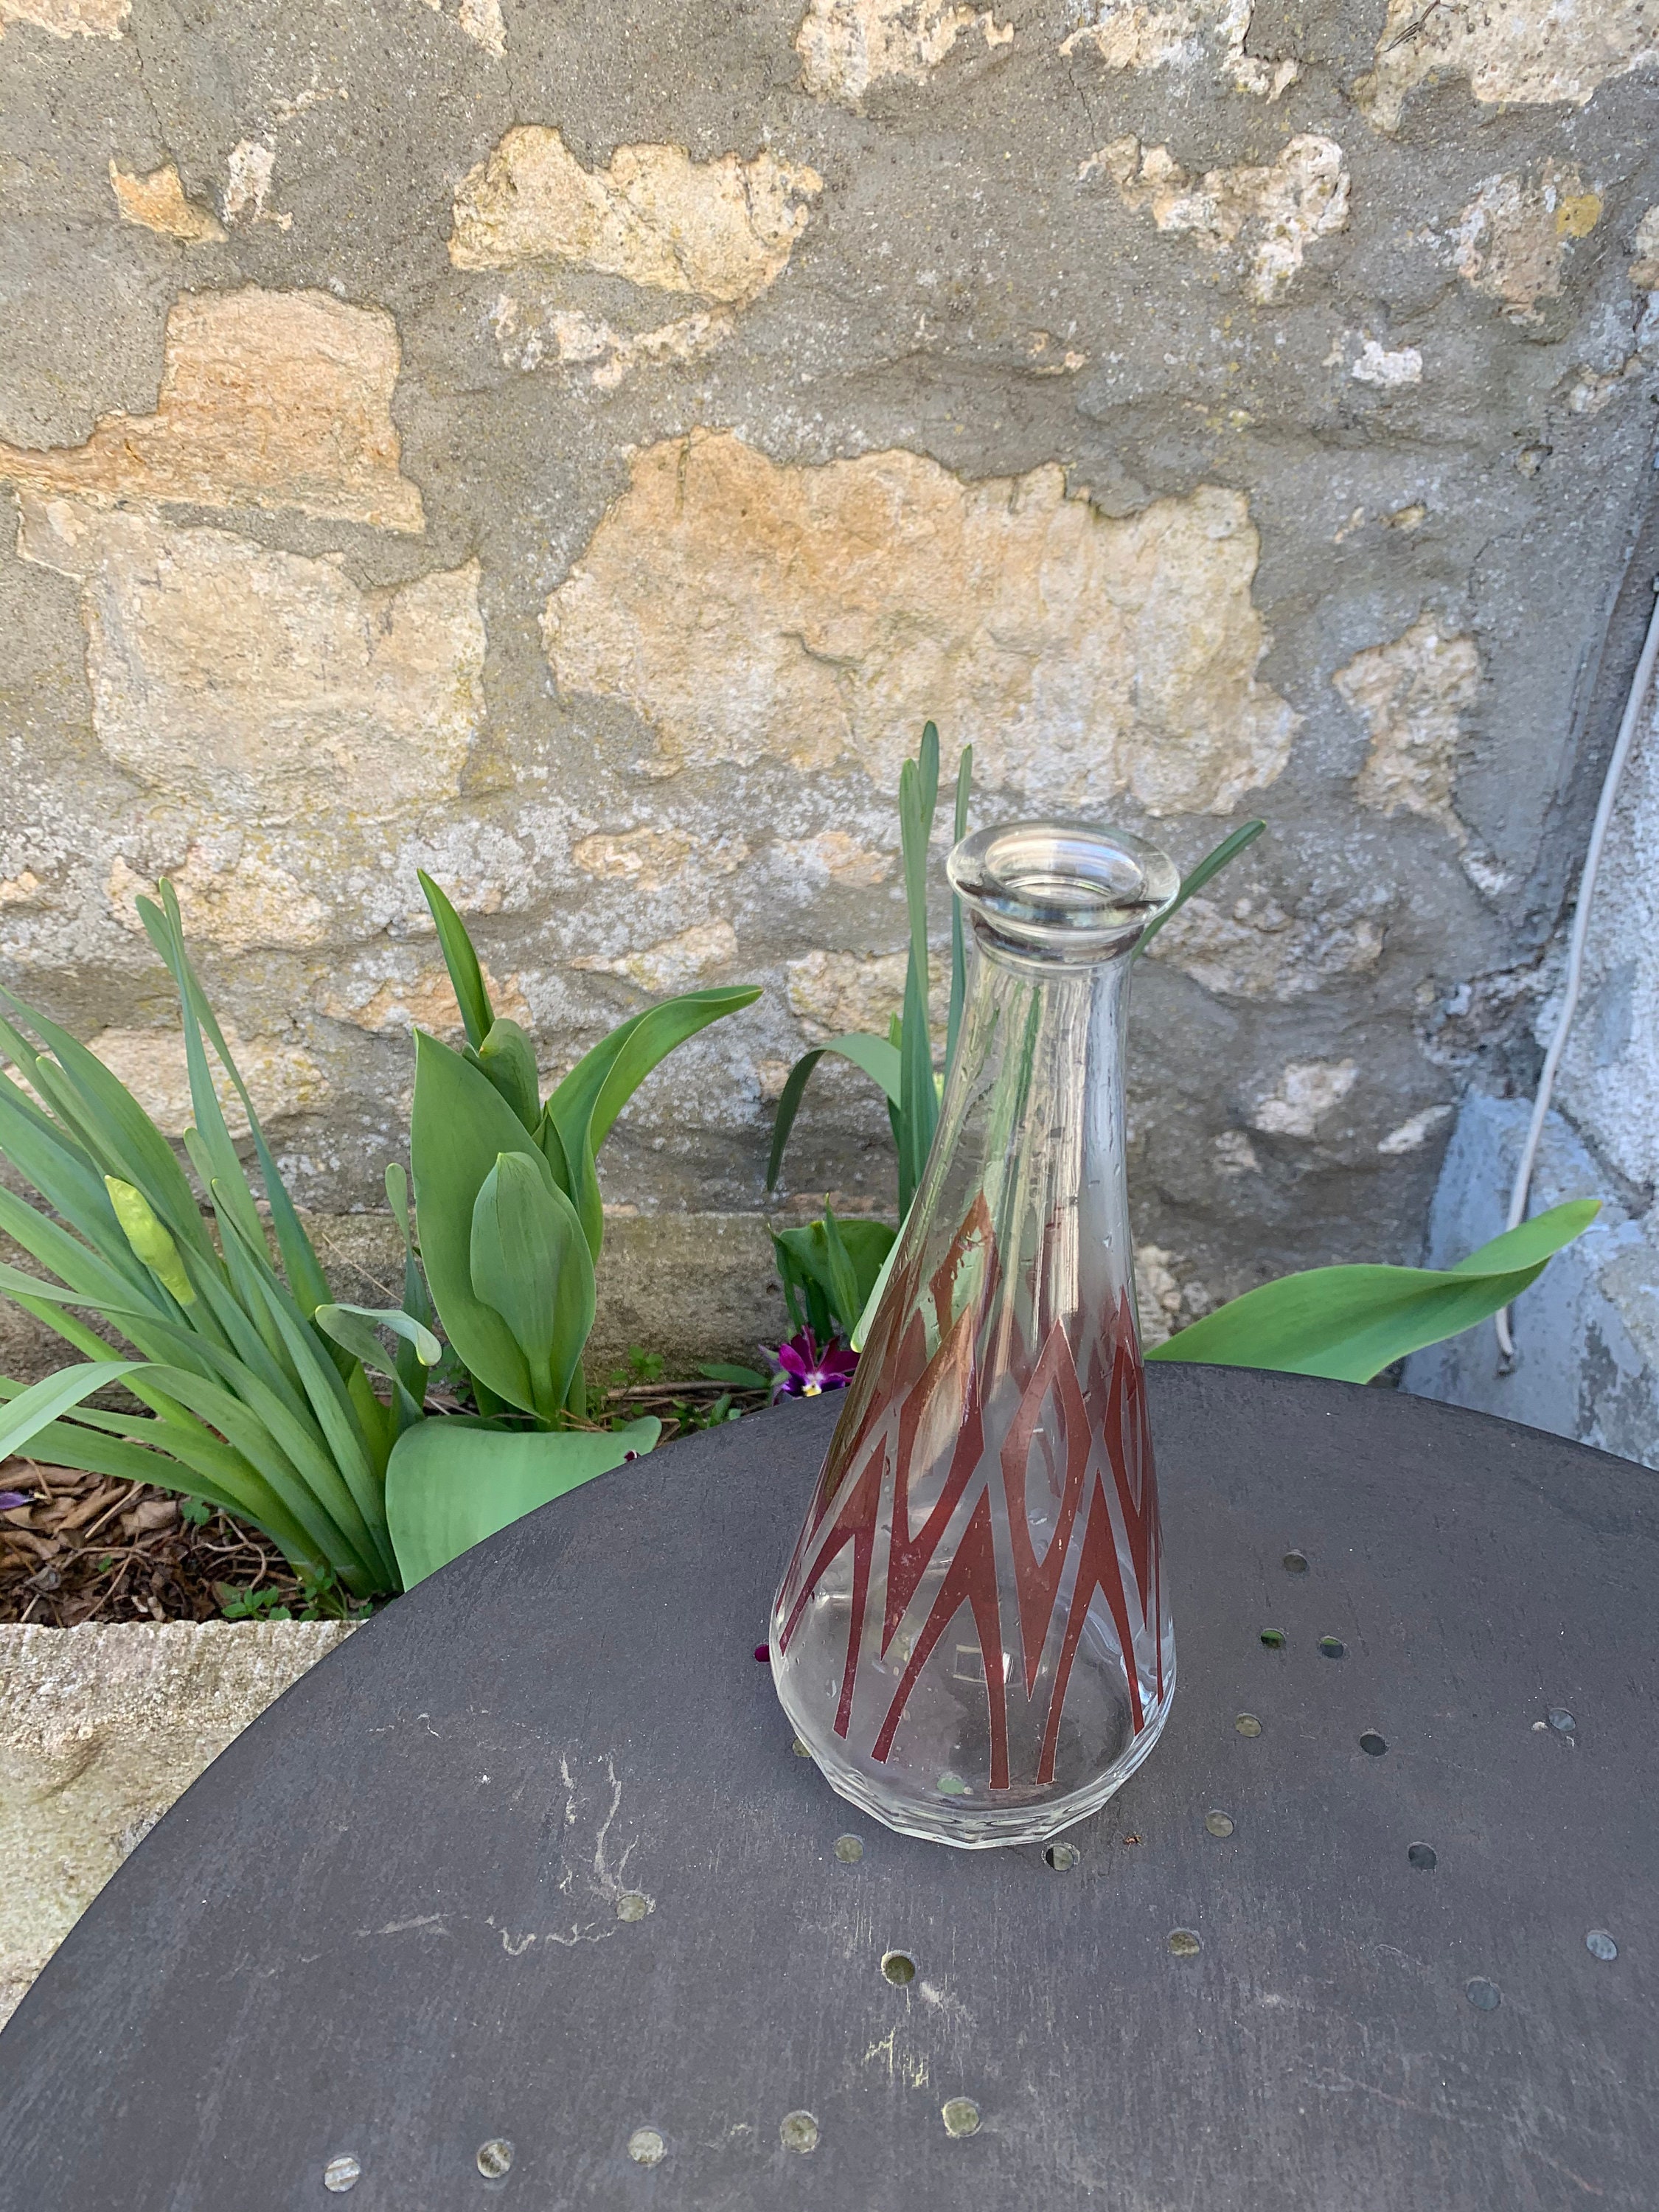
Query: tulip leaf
point(531, 1262)
point(603, 1080)
point(354, 1327)
point(1349, 1323)
point(451, 1482)
point(1211, 864)
point(460, 1127)
point(508, 1059)
point(877, 1057)
point(465, 976)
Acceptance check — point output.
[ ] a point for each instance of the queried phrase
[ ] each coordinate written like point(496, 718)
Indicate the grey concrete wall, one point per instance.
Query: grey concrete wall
point(1587, 1335)
point(572, 448)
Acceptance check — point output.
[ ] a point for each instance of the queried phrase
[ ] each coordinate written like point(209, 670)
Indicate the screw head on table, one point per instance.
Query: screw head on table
point(495, 2158)
point(341, 2174)
point(798, 2131)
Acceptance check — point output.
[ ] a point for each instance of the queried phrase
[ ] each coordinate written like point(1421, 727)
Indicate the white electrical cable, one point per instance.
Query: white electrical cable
point(1575, 974)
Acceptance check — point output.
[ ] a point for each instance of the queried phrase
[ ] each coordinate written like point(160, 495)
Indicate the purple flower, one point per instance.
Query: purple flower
point(805, 1372)
point(11, 1499)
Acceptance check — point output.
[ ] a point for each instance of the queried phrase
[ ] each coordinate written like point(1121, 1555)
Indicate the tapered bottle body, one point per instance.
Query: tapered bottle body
point(973, 1635)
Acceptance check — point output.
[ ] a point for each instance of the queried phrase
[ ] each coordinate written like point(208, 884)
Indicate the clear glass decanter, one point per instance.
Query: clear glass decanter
point(972, 1637)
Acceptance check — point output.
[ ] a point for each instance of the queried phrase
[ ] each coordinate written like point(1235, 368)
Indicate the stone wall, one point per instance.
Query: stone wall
point(572, 448)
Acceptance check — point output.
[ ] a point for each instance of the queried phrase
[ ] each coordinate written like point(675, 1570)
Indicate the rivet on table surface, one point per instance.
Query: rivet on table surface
point(1601, 1945)
point(1184, 1943)
point(960, 2116)
point(1247, 1724)
point(633, 1904)
point(1218, 1822)
point(849, 1850)
point(1562, 1721)
point(341, 2174)
point(798, 2131)
point(646, 2147)
point(1062, 1857)
point(1484, 1995)
point(495, 2158)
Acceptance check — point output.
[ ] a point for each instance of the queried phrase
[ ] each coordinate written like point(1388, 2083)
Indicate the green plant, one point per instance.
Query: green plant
point(829, 1269)
point(509, 1226)
point(1349, 1323)
point(815, 1277)
point(256, 1382)
point(254, 1406)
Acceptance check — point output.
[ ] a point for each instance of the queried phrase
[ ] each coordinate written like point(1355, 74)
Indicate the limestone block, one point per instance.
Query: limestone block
point(65, 19)
point(1386, 367)
point(1183, 34)
point(391, 1006)
point(847, 45)
point(704, 954)
point(652, 860)
point(1513, 53)
point(157, 202)
point(724, 228)
point(745, 609)
point(250, 169)
point(101, 1729)
point(257, 682)
point(1411, 694)
point(268, 400)
point(282, 1077)
point(231, 892)
point(830, 993)
point(481, 22)
point(1307, 1091)
point(1255, 950)
point(569, 338)
point(1512, 239)
point(1272, 210)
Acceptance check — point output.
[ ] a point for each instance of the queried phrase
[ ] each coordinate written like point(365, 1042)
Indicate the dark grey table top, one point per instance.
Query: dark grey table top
point(530, 1860)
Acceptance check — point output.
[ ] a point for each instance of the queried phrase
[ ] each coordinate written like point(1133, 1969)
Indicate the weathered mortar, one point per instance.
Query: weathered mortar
point(570, 450)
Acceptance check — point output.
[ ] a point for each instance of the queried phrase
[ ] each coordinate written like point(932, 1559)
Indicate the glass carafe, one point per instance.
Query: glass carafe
point(972, 1637)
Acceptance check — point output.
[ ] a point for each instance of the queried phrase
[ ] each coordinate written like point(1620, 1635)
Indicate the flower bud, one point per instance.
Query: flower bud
point(149, 1239)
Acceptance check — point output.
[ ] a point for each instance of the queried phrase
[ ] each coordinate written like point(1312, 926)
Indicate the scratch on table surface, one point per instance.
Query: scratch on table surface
point(435, 1920)
point(943, 2001)
point(907, 2066)
point(1515, 2126)
point(603, 1876)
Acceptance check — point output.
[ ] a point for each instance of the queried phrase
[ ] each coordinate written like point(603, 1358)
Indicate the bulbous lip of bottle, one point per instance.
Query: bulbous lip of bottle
point(1063, 891)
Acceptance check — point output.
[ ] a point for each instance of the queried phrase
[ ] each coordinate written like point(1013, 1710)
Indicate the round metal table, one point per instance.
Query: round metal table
point(525, 1894)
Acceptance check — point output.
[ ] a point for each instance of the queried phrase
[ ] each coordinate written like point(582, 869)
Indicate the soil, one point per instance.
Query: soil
point(89, 1548)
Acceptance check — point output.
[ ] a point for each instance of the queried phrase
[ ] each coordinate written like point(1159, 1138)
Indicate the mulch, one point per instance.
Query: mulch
point(90, 1548)
point(87, 1548)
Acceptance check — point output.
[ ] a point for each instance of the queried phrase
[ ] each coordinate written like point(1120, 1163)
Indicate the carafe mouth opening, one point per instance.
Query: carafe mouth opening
point(1063, 891)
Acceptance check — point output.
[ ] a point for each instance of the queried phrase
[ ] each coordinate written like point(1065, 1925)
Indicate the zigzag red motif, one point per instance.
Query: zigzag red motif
point(1095, 1453)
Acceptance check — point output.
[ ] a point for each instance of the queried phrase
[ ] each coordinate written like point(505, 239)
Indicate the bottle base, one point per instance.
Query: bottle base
point(976, 1827)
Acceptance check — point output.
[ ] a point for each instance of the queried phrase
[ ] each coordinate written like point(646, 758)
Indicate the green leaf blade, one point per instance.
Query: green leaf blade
point(451, 1483)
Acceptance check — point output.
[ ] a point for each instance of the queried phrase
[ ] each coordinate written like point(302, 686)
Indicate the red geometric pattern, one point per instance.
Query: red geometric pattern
point(1083, 1440)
